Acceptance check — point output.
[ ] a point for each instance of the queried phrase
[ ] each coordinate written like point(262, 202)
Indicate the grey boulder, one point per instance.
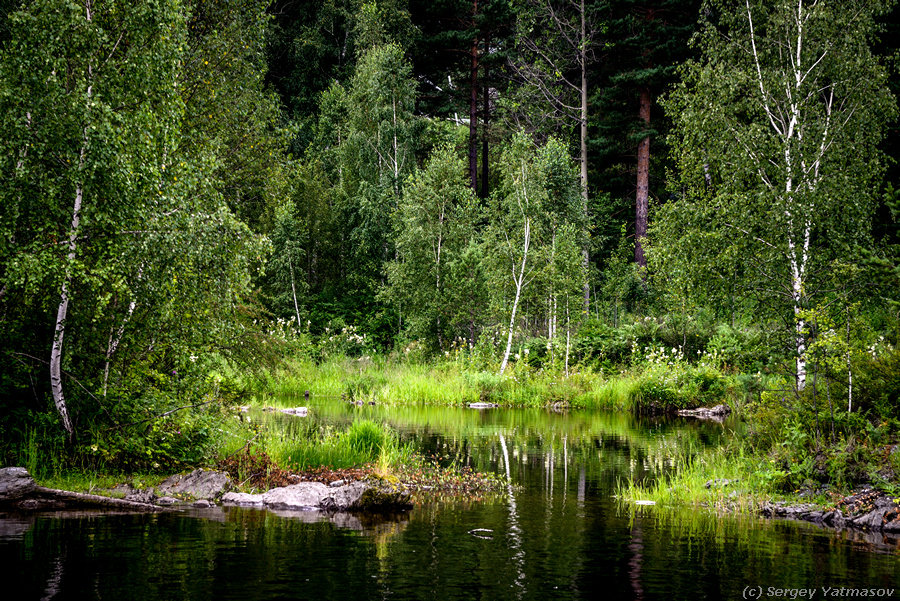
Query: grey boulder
point(355, 496)
point(242, 499)
point(15, 483)
point(199, 484)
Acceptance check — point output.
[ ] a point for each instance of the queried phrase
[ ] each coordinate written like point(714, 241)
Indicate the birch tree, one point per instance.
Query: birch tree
point(532, 238)
point(378, 154)
point(556, 49)
point(514, 232)
point(776, 134)
point(120, 259)
point(434, 225)
point(87, 87)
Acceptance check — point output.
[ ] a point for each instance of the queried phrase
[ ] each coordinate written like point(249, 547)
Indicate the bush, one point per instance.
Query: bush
point(669, 386)
point(487, 383)
point(602, 345)
point(739, 349)
point(878, 382)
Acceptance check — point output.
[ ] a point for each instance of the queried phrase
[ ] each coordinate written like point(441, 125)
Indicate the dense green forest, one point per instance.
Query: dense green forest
point(695, 195)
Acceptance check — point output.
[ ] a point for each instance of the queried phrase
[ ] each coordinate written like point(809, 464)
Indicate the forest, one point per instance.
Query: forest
point(634, 204)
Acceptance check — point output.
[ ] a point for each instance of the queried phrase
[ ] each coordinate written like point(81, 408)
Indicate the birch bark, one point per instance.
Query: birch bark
point(62, 311)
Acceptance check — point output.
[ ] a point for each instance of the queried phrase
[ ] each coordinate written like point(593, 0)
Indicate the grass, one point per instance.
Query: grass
point(723, 478)
point(362, 449)
point(396, 382)
point(363, 443)
point(92, 482)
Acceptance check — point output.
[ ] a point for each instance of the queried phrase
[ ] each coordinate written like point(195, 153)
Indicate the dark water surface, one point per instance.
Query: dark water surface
point(560, 534)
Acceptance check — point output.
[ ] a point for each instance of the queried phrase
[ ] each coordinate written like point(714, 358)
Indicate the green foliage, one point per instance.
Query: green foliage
point(435, 280)
point(878, 380)
point(777, 157)
point(120, 213)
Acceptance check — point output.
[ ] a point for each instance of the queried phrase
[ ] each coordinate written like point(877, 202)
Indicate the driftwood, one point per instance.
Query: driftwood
point(18, 490)
point(51, 498)
point(716, 413)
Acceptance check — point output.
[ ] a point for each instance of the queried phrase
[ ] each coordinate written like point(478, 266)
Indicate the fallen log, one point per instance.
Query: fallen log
point(18, 490)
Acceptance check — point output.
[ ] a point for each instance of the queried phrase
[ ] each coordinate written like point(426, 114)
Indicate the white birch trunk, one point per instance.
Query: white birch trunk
point(519, 281)
point(568, 336)
point(113, 345)
point(849, 368)
point(62, 310)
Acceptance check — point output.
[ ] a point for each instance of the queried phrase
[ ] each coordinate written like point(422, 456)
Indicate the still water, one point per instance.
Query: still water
point(558, 534)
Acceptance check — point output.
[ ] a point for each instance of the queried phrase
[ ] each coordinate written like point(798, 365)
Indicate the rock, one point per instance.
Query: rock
point(306, 495)
point(356, 496)
point(166, 501)
point(720, 482)
point(141, 496)
point(298, 411)
point(15, 483)
point(242, 498)
point(873, 520)
point(200, 484)
point(337, 483)
point(718, 412)
point(368, 496)
point(201, 503)
point(643, 502)
point(483, 405)
point(817, 517)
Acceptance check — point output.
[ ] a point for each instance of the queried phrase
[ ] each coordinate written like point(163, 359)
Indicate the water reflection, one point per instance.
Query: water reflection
point(556, 534)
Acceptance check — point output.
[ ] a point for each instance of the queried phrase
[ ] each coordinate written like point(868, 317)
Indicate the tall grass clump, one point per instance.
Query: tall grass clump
point(725, 477)
point(363, 443)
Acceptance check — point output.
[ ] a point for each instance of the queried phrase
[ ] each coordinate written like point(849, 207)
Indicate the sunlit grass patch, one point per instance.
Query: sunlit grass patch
point(718, 478)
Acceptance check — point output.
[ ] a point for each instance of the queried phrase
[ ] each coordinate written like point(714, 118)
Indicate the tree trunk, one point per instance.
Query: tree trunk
point(568, 336)
point(62, 312)
point(114, 340)
point(294, 292)
point(583, 160)
point(643, 183)
point(485, 118)
point(520, 281)
point(473, 108)
point(849, 367)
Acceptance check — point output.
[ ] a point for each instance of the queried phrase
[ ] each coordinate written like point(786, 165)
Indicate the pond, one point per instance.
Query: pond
point(558, 534)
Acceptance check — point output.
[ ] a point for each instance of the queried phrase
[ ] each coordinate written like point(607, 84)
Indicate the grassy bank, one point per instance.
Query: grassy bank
point(746, 474)
point(648, 387)
point(722, 479)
